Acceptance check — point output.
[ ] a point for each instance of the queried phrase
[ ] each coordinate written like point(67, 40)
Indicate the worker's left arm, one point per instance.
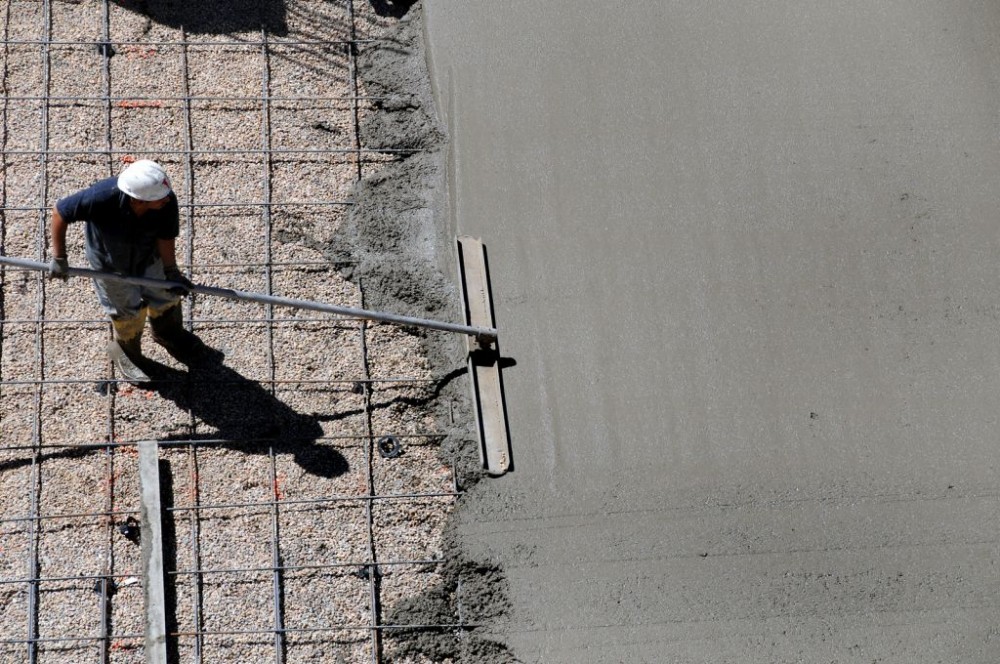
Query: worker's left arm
point(168, 251)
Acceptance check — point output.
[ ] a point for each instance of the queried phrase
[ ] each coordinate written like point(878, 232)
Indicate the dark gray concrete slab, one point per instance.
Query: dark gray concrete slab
point(746, 256)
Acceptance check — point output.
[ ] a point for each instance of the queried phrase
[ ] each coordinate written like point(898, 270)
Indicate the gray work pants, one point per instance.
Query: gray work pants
point(125, 300)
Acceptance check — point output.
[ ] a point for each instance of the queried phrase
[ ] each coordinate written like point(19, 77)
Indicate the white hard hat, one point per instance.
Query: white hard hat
point(145, 180)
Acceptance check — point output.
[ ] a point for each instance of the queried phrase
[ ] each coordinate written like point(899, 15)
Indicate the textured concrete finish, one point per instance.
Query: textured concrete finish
point(746, 257)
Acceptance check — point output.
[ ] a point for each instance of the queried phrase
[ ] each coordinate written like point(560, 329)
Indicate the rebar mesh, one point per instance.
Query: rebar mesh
point(287, 533)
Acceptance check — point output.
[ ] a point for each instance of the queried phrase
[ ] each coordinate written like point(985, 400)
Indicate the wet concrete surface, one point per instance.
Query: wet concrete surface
point(745, 256)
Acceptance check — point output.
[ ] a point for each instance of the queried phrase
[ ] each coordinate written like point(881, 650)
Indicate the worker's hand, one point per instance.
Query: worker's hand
point(59, 268)
point(173, 273)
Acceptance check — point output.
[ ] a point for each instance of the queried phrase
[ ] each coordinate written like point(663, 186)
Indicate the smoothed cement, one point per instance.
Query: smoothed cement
point(746, 257)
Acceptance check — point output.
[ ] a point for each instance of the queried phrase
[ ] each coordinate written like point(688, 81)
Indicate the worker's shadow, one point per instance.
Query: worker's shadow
point(233, 408)
point(394, 8)
point(214, 16)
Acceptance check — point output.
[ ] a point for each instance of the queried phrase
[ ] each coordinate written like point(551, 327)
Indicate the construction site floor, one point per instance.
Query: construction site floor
point(289, 536)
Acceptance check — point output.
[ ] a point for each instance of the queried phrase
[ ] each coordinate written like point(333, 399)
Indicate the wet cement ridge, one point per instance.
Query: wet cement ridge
point(394, 245)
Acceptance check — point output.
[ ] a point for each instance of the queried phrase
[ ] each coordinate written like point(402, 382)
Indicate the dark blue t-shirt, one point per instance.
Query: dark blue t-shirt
point(118, 240)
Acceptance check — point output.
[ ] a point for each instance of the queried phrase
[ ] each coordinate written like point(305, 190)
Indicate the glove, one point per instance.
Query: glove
point(173, 273)
point(58, 267)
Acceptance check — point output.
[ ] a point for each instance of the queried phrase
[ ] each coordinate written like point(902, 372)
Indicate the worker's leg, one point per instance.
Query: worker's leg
point(123, 304)
point(167, 319)
point(169, 332)
point(128, 336)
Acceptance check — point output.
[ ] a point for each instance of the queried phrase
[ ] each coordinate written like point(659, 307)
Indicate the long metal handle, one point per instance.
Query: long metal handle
point(228, 293)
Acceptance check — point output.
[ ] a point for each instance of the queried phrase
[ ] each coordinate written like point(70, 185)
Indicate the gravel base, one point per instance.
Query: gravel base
point(287, 411)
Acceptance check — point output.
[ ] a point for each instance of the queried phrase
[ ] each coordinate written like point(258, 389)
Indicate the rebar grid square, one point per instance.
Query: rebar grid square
point(68, 608)
point(16, 476)
point(144, 73)
point(325, 469)
point(18, 424)
point(123, 463)
point(150, 129)
point(74, 21)
point(73, 480)
point(231, 180)
point(19, 287)
point(309, 69)
point(403, 389)
point(225, 475)
point(316, 351)
point(22, 141)
point(127, 618)
point(220, 318)
point(400, 407)
point(77, 128)
point(228, 613)
point(241, 374)
point(67, 651)
point(15, 550)
point(21, 185)
point(410, 528)
point(75, 352)
point(142, 414)
point(335, 646)
point(227, 128)
point(237, 539)
point(397, 580)
point(420, 472)
point(311, 124)
point(324, 533)
point(14, 615)
point(68, 78)
point(315, 178)
point(235, 240)
point(301, 272)
point(73, 300)
point(226, 71)
point(73, 412)
point(334, 408)
point(326, 599)
point(22, 66)
point(238, 602)
point(343, 416)
point(185, 590)
point(24, 20)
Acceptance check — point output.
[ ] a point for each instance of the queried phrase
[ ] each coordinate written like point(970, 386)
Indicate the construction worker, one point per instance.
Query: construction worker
point(131, 229)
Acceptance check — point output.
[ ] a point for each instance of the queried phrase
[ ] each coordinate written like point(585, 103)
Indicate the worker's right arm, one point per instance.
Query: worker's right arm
point(58, 230)
point(59, 263)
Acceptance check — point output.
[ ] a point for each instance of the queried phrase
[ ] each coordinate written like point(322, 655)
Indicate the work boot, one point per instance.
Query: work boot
point(169, 332)
point(126, 349)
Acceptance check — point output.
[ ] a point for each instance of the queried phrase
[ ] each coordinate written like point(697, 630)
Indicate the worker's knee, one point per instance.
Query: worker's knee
point(157, 310)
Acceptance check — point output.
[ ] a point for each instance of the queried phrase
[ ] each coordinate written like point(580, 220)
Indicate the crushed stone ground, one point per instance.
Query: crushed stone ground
point(272, 441)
